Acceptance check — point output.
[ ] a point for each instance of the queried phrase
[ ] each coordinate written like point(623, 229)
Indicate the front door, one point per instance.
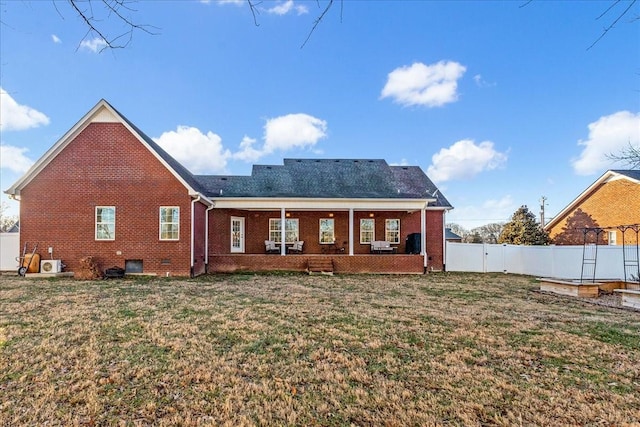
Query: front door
point(237, 234)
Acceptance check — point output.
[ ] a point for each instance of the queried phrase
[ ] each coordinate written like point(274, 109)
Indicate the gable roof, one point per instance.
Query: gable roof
point(370, 182)
point(632, 175)
point(450, 235)
point(327, 179)
point(103, 112)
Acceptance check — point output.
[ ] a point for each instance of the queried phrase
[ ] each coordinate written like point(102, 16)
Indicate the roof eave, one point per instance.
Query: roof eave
point(50, 154)
point(320, 204)
point(570, 207)
point(55, 149)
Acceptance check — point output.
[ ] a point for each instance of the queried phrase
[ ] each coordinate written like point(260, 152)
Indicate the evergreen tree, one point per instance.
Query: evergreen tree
point(523, 229)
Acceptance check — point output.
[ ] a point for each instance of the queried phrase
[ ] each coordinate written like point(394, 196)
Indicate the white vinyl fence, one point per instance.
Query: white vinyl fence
point(561, 262)
point(9, 251)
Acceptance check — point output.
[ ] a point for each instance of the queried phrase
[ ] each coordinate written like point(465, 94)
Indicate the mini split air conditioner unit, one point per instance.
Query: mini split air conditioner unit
point(51, 266)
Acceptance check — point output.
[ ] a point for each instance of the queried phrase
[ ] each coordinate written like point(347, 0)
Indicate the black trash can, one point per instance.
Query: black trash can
point(413, 243)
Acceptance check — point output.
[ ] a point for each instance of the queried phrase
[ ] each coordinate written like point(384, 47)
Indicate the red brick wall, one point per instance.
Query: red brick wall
point(199, 241)
point(435, 236)
point(105, 165)
point(345, 264)
point(612, 204)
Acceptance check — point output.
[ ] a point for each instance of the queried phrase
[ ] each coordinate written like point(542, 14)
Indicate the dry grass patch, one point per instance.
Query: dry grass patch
point(440, 349)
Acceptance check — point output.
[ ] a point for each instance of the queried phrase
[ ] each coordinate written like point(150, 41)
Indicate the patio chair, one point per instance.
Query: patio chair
point(297, 247)
point(270, 247)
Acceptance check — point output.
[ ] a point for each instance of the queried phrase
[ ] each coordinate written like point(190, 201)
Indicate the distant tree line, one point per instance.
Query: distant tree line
point(522, 229)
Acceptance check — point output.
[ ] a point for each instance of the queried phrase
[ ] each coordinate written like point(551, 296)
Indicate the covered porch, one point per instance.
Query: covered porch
point(342, 231)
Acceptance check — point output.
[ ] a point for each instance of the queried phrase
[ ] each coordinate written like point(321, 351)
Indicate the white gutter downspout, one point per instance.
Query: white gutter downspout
point(444, 240)
point(351, 231)
point(206, 237)
point(193, 205)
point(423, 235)
point(283, 248)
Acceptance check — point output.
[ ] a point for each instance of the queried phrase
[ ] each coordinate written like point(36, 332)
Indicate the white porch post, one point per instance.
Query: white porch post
point(423, 234)
point(283, 248)
point(444, 240)
point(350, 231)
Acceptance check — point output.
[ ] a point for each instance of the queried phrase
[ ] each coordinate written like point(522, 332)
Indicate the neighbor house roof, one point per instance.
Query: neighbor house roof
point(327, 179)
point(103, 112)
point(632, 175)
point(450, 235)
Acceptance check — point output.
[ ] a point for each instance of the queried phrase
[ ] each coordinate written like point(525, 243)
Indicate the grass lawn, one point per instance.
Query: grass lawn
point(440, 349)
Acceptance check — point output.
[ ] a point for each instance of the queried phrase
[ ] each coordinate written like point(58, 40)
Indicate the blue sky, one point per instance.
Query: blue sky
point(499, 102)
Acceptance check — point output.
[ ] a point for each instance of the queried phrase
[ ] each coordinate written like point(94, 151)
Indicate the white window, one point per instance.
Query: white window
point(392, 230)
point(291, 232)
point(367, 230)
point(613, 238)
point(327, 231)
point(169, 223)
point(105, 222)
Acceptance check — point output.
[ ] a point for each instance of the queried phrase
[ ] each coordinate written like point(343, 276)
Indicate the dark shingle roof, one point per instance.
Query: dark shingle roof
point(631, 173)
point(450, 235)
point(326, 178)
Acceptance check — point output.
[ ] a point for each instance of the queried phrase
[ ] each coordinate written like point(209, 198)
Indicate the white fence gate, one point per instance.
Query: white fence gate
point(9, 251)
point(562, 262)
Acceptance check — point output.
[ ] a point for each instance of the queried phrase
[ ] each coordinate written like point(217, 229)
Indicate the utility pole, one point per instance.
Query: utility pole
point(543, 199)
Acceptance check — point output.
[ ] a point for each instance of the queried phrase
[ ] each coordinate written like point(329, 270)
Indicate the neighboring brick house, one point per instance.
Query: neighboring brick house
point(107, 190)
point(608, 210)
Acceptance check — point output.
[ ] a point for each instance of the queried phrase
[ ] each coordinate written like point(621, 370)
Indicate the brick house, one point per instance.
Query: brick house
point(609, 211)
point(107, 190)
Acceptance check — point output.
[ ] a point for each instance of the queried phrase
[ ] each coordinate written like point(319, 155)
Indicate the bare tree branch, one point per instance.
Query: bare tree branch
point(254, 10)
point(630, 156)
point(112, 8)
point(318, 20)
point(615, 21)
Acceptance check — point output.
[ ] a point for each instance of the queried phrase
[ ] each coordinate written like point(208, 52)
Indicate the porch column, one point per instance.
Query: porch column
point(423, 234)
point(283, 248)
point(350, 231)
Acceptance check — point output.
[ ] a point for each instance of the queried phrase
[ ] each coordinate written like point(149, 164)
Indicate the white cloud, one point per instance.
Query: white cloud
point(463, 160)
point(608, 135)
point(420, 84)
point(202, 153)
point(293, 131)
point(196, 151)
point(402, 162)
point(14, 159)
point(14, 116)
point(284, 133)
point(94, 45)
point(283, 8)
point(55, 39)
point(247, 152)
point(481, 82)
